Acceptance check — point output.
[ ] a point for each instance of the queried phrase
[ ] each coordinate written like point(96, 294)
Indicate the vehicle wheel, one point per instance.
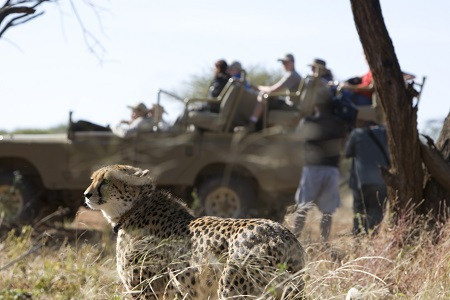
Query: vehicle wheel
point(18, 197)
point(231, 199)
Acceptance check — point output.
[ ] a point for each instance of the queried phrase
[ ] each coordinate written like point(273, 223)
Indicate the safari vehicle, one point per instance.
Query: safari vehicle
point(231, 173)
point(207, 159)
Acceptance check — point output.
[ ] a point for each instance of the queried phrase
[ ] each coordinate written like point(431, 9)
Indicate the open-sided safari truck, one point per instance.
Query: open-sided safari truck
point(205, 158)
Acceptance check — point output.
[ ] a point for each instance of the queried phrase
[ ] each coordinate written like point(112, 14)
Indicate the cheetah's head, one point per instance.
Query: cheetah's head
point(115, 189)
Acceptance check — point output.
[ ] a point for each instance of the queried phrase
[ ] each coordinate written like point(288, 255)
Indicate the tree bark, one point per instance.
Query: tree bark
point(24, 11)
point(437, 188)
point(405, 176)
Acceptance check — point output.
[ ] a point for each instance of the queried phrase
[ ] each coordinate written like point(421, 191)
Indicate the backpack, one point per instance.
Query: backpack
point(345, 109)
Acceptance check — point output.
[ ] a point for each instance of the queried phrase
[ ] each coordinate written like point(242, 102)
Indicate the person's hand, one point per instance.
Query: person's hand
point(341, 85)
point(263, 88)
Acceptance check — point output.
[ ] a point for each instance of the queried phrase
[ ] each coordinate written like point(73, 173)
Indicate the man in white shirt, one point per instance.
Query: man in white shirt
point(140, 121)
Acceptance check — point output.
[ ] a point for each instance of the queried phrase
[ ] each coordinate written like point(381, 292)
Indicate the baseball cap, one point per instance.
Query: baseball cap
point(319, 63)
point(235, 65)
point(287, 57)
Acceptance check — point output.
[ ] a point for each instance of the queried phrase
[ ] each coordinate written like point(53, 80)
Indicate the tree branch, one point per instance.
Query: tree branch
point(25, 10)
point(435, 163)
point(9, 10)
point(23, 19)
point(19, 7)
point(93, 44)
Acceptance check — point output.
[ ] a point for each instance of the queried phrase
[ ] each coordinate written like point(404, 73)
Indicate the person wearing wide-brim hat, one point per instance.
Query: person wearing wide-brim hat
point(139, 108)
point(140, 121)
point(319, 68)
point(157, 110)
point(156, 113)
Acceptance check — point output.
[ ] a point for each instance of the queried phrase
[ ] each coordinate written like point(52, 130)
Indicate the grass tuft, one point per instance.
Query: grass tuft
point(408, 260)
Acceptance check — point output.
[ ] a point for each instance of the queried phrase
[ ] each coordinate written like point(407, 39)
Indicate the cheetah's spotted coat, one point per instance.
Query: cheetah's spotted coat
point(164, 252)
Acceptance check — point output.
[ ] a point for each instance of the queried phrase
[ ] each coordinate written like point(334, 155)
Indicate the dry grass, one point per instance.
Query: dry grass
point(407, 261)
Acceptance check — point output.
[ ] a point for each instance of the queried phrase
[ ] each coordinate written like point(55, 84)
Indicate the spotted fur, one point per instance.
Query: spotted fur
point(164, 252)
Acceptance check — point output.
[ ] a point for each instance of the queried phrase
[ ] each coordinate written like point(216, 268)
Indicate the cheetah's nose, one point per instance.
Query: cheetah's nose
point(88, 195)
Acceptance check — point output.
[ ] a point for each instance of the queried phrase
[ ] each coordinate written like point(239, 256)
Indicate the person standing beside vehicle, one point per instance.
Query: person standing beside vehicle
point(323, 137)
point(367, 146)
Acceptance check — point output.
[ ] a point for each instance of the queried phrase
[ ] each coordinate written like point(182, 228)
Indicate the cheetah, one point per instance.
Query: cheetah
point(164, 252)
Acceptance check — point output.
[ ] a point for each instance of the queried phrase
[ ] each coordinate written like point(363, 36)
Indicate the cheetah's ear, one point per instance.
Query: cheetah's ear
point(140, 177)
point(141, 173)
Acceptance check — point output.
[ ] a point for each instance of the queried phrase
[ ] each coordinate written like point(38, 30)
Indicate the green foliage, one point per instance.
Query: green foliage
point(196, 202)
point(62, 128)
point(14, 294)
point(258, 75)
point(282, 267)
point(197, 85)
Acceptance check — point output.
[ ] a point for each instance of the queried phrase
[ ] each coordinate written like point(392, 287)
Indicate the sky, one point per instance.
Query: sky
point(47, 68)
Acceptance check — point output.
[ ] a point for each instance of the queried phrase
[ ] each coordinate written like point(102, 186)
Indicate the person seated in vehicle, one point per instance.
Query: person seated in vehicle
point(319, 68)
point(290, 82)
point(221, 78)
point(235, 70)
point(361, 89)
point(140, 121)
point(156, 114)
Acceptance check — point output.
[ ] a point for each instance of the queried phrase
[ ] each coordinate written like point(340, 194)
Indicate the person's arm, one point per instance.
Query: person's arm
point(119, 130)
point(356, 87)
point(126, 131)
point(273, 88)
point(276, 87)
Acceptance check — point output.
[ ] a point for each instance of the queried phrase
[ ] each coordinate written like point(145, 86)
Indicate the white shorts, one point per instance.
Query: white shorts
point(319, 184)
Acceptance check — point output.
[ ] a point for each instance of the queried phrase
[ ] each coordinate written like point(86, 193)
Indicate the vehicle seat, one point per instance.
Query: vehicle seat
point(310, 89)
point(219, 121)
point(372, 112)
point(285, 118)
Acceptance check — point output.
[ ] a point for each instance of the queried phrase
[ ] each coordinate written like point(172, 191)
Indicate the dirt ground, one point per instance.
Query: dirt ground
point(342, 220)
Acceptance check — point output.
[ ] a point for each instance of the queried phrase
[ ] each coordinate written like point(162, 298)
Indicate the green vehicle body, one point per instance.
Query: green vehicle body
point(219, 168)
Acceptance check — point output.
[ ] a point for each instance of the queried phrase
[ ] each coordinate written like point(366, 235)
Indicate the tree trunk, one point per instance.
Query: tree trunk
point(437, 188)
point(405, 177)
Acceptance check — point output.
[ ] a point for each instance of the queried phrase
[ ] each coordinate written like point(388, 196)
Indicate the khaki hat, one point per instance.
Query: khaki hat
point(287, 57)
point(139, 107)
point(156, 108)
point(319, 63)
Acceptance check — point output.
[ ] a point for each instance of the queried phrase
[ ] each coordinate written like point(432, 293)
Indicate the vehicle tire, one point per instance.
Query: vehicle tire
point(19, 197)
point(232, 199)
